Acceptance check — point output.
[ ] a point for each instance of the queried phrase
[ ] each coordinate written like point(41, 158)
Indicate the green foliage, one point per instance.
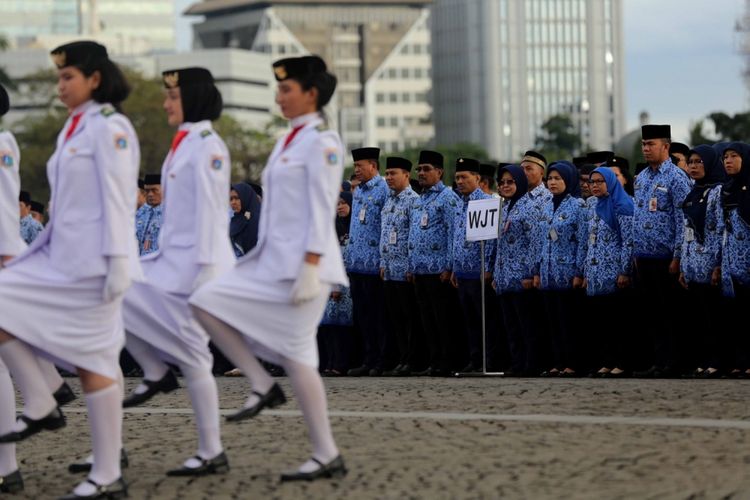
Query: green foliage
point(559, 138)
point(727, 128)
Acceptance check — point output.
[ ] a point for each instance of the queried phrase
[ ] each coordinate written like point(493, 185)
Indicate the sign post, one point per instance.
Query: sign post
point(482, 224)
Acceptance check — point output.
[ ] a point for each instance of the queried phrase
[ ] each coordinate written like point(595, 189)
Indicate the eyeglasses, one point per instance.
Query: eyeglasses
point(506, 182)
point(596, 181)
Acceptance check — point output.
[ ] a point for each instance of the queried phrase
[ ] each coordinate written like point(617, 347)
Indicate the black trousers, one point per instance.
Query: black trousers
point(369, 317)
point(704, 341)
point(401, 305)
point(519, 312)
point(658, 292)
point(739, 339)
point(434, 303)
point(334, 346)
point(562, 308)
point(470, 296)
point(609, 338)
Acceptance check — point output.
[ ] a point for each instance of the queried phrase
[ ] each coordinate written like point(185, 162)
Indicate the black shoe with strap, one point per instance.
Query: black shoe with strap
point(217, 465)
point(333, 469)
point(86, 466)
point(167, 383)
point(64, 394)
point(273, 398)
point(53, 421)
point(11, 483)
point(116, 489)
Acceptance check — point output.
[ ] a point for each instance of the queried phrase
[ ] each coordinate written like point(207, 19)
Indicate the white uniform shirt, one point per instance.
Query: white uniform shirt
point(301, 185)
point(195, 182)
point(93, 179)
point(10, 187)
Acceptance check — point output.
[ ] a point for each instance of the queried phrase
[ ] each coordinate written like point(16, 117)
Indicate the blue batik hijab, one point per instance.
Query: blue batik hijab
point(736, 191)
point(696, 202)
point(522, 183)
point(616, 202)
point(569, 175)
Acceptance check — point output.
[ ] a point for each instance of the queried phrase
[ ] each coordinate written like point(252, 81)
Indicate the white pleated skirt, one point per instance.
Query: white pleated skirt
point(63, 319)
point(270, 323)
point(164, 321)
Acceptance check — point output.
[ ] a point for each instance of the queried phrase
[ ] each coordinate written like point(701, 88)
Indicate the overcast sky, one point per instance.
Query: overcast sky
point(681, 59)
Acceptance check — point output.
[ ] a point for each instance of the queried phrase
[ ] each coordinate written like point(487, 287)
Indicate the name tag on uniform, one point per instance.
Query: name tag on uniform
point(361, 215)
point(553, 234)
point(393, 238)
point(652, 205)
point(689, 234)
point(424, 220)
point(506, 227)
point(592, 239)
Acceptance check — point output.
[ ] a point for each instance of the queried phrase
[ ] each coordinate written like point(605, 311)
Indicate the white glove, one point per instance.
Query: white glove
point(307, 286)
point(206, 274)
point(118, 278)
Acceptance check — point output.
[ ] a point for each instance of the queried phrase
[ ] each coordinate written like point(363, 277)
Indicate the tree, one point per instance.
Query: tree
point(4, 78)
point(559, 138)
point(727, 128)
point(37, 133)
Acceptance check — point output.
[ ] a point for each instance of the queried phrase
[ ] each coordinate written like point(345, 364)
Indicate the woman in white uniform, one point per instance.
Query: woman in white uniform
point(272, 302)
point(194, 246)
point(62, 297)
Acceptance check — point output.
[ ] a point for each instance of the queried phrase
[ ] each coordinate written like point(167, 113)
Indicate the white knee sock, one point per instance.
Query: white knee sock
point(204, 397)
point(27, 374)
point(308, 387)
point(231, 343)
point(51, 375)
point(7, 419)
point(153, 367)
point(105, 418)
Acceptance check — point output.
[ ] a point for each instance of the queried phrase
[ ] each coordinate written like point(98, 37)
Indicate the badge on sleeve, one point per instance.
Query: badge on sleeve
point(216, 162)
point(332, 157)
point(121, 141)
point(6, 159)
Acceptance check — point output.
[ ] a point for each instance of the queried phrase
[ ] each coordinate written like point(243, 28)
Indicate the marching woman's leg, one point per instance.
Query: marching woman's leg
point(157, 377)
point(231, 343)
point(40, 409)
point(61, 391)
point(10, 476)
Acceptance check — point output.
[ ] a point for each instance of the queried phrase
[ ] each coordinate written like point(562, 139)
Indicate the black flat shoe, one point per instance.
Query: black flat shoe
point(333, 469)
point(217, 465)
point(64, 394)
point(53, 421)
point(86, 467)
point(168, 383)
point(12, 483)
point(116, 489)
point(273, 398)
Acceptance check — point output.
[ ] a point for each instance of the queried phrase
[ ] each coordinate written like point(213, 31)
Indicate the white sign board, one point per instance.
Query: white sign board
point(483, 219)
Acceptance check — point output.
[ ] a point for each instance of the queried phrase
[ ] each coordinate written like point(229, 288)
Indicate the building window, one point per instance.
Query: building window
point(380, 97)
point(393, 97)
point(381, 121)
point(405, 72)
point(418, 73)
point(420, 97)
point(405, 49)
point(392, 73)
point(394, 146)
point(405, 97)
point(417, 48)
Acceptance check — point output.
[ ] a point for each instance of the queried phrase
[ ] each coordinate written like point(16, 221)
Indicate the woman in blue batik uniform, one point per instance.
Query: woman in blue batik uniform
point(735, 262)
point(701, 255)
point(608, 266)
point(563, 229)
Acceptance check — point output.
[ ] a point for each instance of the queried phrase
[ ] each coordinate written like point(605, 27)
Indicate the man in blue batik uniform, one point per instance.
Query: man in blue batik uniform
point(362, 260)
point(467, 265)
point(660, 191)
point(400, 302)
point(431, 259)
point(148, 217)
point(30, 227)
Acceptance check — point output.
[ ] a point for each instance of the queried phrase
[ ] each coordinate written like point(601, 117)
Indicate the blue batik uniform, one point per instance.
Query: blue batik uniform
point(563, 250)
point(735, 261)
point(539, 197)
point(467, 255)
point(608, 254)
point(147, 226)
point(394, 234)
point(658, 217)
point(433, 215)
point(30, 229)
point(699, 259)
point(519, 244)
point(363, 254)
